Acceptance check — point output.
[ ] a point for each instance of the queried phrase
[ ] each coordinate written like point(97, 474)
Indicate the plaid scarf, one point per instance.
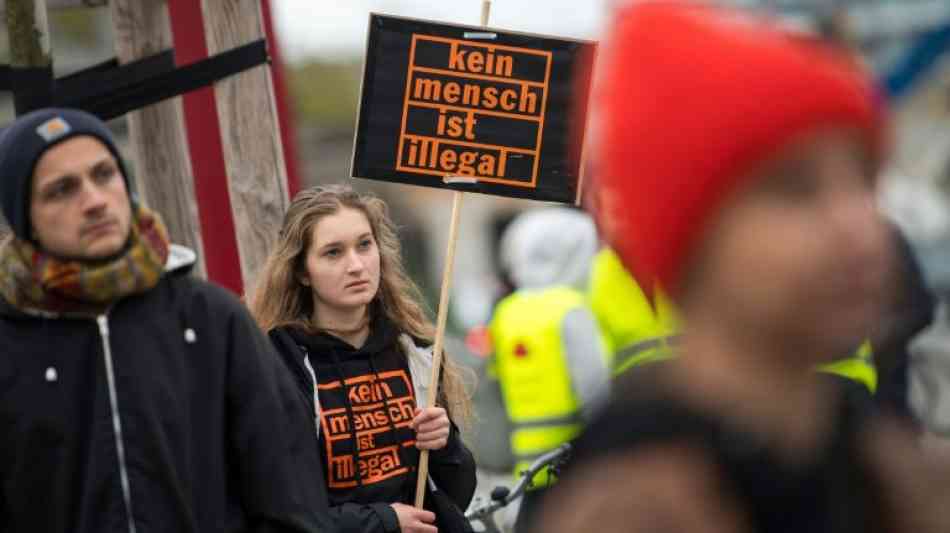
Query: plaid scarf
point(32, 280)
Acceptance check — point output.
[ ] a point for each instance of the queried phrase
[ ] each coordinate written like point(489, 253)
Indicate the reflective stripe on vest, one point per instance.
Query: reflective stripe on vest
point(635, 328)
point(537, 438)
point(528, 441)
point(647, 351)
point(859, 367)
point(624, 312)
point(532, 371)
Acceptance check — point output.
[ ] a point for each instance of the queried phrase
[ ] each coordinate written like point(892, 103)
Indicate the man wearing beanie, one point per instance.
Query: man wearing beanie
point(133, 397)
point(737, 169)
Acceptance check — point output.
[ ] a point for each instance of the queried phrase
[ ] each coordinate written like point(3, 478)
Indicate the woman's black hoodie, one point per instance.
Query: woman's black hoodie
point(374, 466)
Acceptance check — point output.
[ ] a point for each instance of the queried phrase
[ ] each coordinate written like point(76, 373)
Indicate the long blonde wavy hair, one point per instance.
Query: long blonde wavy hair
point(279, 299)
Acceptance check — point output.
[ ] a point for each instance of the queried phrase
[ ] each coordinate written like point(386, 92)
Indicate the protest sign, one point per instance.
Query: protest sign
point(472, 109)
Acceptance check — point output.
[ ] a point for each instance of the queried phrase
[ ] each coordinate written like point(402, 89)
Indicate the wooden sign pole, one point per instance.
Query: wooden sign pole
point(443, 312)
point(486, 11)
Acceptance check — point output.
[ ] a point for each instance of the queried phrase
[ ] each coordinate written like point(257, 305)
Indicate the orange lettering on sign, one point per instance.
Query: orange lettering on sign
point(456, 159)
point(478, 80)
point(480, 60)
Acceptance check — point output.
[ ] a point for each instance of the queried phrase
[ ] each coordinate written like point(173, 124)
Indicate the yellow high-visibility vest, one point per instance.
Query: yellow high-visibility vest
point(638, 332)
point(533, 373)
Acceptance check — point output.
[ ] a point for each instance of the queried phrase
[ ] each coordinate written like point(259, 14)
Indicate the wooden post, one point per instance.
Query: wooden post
point(437, 354)
point(281, 96)
point(253, 152)
point(157, 133)
point(207, 158)
point(28, 32)
point(58, 4)
point(30, 49)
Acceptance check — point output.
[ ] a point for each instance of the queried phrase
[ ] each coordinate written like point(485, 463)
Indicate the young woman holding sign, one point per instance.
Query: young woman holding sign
point(347, 320)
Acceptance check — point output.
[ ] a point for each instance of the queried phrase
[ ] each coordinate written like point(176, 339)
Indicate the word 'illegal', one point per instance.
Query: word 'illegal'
point(474, 109)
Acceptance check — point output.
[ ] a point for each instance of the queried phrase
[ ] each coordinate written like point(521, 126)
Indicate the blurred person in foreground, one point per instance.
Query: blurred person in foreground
point(133, 397)
point(738, 170)
point(549, 355)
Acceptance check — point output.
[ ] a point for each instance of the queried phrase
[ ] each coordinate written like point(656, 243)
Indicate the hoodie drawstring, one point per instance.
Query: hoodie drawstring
point(354, 454)
point(392, 427)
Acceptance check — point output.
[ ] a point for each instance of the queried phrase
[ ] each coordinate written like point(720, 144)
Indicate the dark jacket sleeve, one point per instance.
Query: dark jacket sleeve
point(297, 393)
point(358, 518)
point(281, 489)
point(453, 470)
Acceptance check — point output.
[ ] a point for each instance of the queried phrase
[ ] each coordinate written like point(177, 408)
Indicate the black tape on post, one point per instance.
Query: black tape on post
point(109, 90)
point(33, 88)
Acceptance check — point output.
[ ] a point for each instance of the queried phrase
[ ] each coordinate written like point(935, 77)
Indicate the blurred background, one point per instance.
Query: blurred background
point(906, 43)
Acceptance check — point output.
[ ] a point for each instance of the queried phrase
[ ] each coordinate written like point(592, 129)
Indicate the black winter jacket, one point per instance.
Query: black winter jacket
point(360, 496)
point(165, 415)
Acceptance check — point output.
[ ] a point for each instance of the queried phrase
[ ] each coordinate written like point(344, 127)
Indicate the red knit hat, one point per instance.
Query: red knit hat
point(691, 99)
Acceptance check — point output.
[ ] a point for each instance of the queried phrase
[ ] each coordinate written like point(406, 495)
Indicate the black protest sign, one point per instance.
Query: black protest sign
point(472, 109)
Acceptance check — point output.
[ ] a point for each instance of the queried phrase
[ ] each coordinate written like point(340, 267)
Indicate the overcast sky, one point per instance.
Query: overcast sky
point(337, 28)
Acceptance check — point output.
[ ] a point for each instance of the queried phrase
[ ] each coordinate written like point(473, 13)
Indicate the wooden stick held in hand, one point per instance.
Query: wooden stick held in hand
point(439, 337)
point(443, 313)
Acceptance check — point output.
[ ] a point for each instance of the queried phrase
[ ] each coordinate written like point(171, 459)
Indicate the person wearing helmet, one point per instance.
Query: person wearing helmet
point(738, 169)
point(548, 352)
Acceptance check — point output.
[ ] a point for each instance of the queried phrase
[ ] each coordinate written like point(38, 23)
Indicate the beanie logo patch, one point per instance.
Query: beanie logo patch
point(53, 129)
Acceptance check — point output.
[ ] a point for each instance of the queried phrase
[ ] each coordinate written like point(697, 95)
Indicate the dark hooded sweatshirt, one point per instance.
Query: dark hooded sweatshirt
point(368, 470)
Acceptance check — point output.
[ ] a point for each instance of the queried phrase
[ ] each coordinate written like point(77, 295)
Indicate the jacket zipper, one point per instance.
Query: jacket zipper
point(103, 321)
